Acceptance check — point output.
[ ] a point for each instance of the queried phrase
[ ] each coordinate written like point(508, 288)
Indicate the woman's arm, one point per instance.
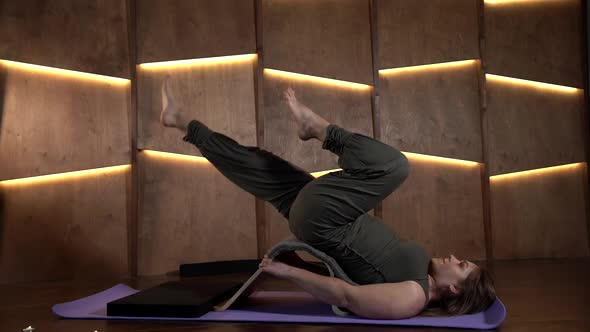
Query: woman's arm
point(326, 289)
point(378, 301)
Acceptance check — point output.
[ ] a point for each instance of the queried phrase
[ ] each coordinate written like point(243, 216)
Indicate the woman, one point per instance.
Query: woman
point(397, 279)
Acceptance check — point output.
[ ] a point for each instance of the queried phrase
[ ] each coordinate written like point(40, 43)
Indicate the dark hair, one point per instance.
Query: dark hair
point(477, 294)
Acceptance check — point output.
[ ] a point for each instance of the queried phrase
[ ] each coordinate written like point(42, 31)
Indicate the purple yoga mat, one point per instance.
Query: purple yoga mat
point(288, 307)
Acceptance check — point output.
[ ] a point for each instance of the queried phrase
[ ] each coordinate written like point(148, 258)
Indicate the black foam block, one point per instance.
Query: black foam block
point(219, 267)
point(183, 298)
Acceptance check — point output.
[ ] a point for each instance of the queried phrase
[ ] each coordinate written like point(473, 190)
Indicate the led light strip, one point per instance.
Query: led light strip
point(315, 79)
point(424, 157)
point(177, 156)
point(518, 81)
point(198, 62)
point(320, 173)
point(497, 2)
point(65, 72)
point(433, 66)
point(537, 171)
point(66, 175)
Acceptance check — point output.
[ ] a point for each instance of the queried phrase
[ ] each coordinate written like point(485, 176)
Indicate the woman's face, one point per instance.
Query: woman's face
point(450, 272)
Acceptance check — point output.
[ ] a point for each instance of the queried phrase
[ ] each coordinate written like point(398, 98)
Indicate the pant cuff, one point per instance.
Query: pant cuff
point(197, 133)
point(335, 138)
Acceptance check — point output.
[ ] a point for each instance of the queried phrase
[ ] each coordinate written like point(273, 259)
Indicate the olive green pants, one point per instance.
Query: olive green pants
point(317, 208)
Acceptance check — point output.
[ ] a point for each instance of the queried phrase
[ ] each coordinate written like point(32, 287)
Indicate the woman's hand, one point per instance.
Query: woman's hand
point(277, 269)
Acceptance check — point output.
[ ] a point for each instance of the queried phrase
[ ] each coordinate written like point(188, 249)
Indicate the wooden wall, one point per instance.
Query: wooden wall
point(53, 122)
point(172, 208)
point(541, 214)
point(183, 215)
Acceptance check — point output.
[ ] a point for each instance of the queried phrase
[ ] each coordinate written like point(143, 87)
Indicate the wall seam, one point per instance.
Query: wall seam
point(483, 103)
point(262, 231)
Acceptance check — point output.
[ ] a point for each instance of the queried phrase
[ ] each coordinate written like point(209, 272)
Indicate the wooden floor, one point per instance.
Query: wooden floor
point(540, 295)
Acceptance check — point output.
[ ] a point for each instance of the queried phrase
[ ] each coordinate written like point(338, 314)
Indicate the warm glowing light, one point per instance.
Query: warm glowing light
point(428, 158)
point(67, 175)
point(434, 66)
point(65, 72)
point(538, 171)
point(320, 173)
point(540, 85)
point(175, 156)
point(495, 2)
point(315, 79)
point(423, 157)
point(198, 62)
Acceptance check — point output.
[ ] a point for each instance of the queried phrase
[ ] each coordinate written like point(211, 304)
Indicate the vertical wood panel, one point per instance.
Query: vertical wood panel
point(541, 214)
point(221, 96)
point(88, 36)
point(185, 219)
point(58, 123)
point(417, 32)
point(535, 40)
point(68, 228)
point(188, 29)
point(326, 38)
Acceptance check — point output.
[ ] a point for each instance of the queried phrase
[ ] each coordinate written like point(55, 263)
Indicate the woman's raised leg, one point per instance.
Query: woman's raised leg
point(255, 170)
point(371, 170)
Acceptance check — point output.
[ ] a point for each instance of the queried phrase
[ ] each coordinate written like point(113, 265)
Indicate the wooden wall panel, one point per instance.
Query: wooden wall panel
point(347, 107)
point(56, 123)
point(417, 32)
point(533, 127)
point(88, 36)
point(184, 215)
point(327, 38)
point(440, 206)
point(433, 111)
point(535, 40)
point(221, 95)
point(540, 214)
point(66, 228)
point(188, 29)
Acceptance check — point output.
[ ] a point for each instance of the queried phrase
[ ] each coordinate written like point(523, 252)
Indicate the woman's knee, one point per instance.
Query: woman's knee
point(399, 170)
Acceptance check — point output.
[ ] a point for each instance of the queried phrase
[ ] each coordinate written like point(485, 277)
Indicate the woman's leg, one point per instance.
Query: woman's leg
point(371, 171)
point(257, 171)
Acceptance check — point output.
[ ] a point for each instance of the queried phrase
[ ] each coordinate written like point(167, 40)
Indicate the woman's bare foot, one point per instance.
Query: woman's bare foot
point(310, 124)
point(171, 115)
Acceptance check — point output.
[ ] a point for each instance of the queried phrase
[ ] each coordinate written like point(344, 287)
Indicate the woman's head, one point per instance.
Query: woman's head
point(462, 286)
